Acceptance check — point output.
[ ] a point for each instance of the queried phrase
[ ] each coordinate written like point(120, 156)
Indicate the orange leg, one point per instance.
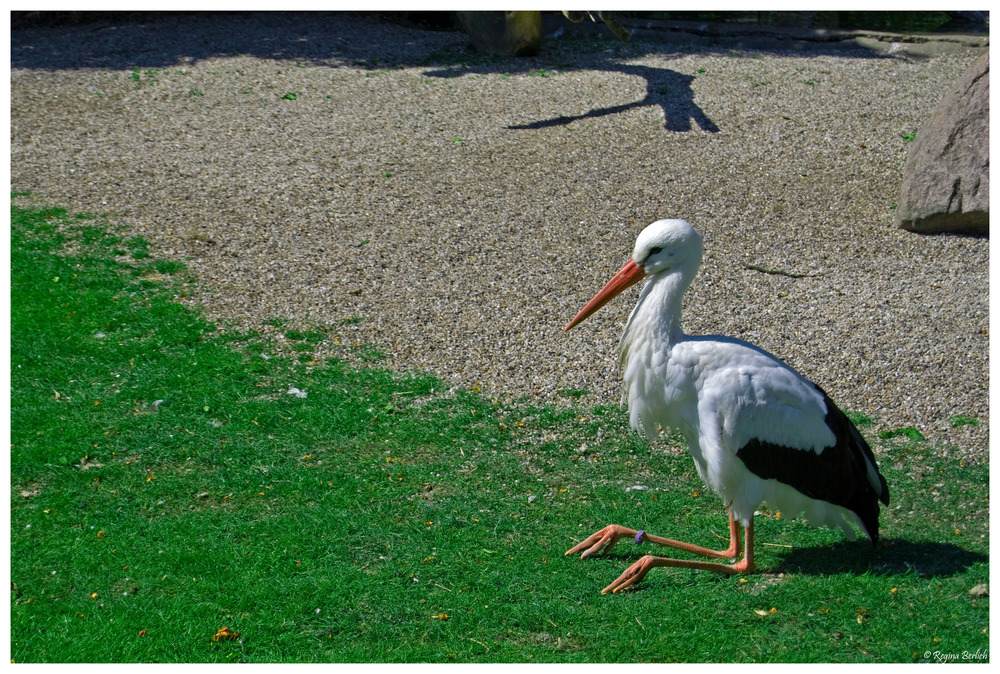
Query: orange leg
point(611, 534)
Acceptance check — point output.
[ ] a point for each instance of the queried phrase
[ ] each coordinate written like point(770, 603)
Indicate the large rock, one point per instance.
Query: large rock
point(946, 180)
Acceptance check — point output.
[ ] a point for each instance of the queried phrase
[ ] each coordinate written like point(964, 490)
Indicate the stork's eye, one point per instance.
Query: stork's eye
point(656, 250)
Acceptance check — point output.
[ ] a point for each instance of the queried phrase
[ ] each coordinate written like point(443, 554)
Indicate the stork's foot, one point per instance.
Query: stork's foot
point(611, 534)
point(605, 538)
point(637, 571)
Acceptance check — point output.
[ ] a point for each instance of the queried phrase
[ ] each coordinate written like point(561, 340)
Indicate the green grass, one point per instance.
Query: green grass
point(905, 431)
point(165, 483)
point(963, 420)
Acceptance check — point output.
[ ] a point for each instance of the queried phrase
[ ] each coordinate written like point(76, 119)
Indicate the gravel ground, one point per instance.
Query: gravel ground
point(467, 207)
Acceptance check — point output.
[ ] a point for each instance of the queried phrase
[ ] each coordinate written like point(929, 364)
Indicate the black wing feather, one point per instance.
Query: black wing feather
point(838, 474)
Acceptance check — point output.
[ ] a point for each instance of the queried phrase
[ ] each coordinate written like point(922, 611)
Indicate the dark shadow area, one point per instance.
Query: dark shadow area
point(975, 22)
point(668, 89)
point(124, 40)
point(128, 40)
point(927, 559)
point(375, 41)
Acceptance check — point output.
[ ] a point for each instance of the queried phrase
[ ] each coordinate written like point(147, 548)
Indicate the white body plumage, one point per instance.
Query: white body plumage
point(758, 430)
point(720, 392)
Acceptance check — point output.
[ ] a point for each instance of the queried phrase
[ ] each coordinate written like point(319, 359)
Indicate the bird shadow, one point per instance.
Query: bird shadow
point(927, 559)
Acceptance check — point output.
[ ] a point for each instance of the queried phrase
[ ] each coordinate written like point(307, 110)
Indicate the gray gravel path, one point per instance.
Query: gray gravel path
point(466, 212)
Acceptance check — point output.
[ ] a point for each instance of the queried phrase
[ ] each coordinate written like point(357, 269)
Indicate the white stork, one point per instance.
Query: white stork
point(757, 429)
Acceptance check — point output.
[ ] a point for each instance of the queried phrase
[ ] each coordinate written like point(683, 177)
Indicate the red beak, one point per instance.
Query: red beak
point(627, 276)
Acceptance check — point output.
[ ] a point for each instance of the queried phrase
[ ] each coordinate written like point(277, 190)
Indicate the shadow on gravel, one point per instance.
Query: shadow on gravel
point(669, 89)
point(129, 40)
point(126, 40)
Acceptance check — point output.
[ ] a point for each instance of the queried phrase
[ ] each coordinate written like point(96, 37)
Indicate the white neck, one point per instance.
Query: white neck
point(657, 314)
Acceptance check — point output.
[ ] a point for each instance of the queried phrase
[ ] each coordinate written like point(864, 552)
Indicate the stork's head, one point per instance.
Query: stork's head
point(666, 246)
